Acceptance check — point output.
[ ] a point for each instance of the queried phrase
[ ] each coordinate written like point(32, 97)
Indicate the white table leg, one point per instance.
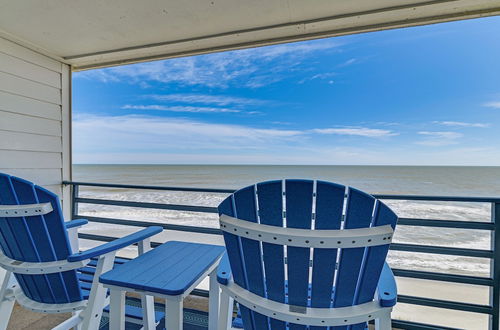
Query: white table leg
point(213, 301)
point(117, 309)
point(226, 311)
point(174, 314)
point(148, 312)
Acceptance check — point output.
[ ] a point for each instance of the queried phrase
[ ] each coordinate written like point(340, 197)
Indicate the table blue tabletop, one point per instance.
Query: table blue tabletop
point(169, 269)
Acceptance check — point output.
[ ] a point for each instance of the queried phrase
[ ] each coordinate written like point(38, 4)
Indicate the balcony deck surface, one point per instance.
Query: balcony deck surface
point(23, 319)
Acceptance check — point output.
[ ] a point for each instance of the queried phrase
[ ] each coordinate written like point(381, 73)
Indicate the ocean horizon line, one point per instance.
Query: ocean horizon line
point(325, 165)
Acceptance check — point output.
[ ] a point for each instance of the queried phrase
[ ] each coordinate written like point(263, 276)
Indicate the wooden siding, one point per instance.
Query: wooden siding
point(35, 118)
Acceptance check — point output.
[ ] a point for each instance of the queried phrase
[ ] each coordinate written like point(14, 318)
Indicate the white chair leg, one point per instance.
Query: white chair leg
point(93, 313)
point(213, 301)
point(79, 325)
point(6, 302)
point(148, 312)
point(74, 321)
point(225, 311)
point(116, 309)
point(174, 313)
point(6, 307)
point(384, 322)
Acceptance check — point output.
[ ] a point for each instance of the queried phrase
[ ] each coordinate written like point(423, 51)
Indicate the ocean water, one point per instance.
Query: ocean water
point(459, 181)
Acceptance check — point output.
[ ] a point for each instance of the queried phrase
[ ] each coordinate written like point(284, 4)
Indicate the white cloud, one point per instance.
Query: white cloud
point(179, 108)
point(133, 133)
point(437, 139)
point(495, 104)
point(320, 76)
point(239, 67)
point(136, 139)
point(221, 100)
point(461, 124)
point(348, 62)
point(357, 131)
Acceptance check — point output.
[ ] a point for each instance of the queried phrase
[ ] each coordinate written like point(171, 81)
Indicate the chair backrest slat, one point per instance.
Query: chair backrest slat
point(335, 278)
point(270, 200)
point(65, 283)
point(246, 209)
point(328, 215)
point(235, 255)
point(38, 238)
point(374, 259)
point(299, 201)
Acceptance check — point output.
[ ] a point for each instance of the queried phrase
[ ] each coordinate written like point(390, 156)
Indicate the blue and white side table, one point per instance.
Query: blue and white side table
point(170, 271)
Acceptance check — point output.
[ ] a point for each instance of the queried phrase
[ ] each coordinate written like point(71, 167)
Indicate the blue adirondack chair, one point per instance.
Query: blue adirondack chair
point(50, 275)
point(302, 255)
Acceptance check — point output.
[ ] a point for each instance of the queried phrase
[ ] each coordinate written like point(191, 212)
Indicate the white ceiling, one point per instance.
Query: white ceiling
point(93, 33)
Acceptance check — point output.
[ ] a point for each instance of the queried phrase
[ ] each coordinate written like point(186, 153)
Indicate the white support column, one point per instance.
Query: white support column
point(144, 245)
point(66, 139)
point(213, 301)
point(117, 309)
point(73, 239)
point(148, 312)
point(97, 298)
point(225, 311)
point(173, 313)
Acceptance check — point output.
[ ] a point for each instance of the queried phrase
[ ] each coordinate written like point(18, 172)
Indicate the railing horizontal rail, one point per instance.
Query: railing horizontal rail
point(131, 186)
point(210, 209)
point(474, 280)
point(215, 231)
point(176, 207)
point(137, 223)
point(457, 224)
point(410, 325)
point(229, 191)
point(455, 305)
point(439, 198)
point(442, 250)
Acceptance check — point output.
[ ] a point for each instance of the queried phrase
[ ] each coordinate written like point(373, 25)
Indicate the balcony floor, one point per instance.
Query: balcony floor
point(23, 319)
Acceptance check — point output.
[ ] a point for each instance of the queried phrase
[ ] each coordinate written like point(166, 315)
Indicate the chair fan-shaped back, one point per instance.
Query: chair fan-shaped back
point(40, 238)
point(299, 276)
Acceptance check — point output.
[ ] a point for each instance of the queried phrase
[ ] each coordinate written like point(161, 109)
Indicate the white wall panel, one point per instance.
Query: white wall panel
point(22, 123)
point(35, 121)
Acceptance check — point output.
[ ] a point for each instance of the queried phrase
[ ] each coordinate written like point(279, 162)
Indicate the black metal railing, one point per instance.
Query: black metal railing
point(492, 282)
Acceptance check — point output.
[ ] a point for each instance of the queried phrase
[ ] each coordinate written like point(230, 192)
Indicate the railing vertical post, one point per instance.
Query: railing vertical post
point(74, 203)
point(495, 267)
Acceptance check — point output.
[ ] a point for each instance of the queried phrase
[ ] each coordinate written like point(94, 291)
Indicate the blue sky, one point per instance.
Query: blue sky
point(417, 96)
